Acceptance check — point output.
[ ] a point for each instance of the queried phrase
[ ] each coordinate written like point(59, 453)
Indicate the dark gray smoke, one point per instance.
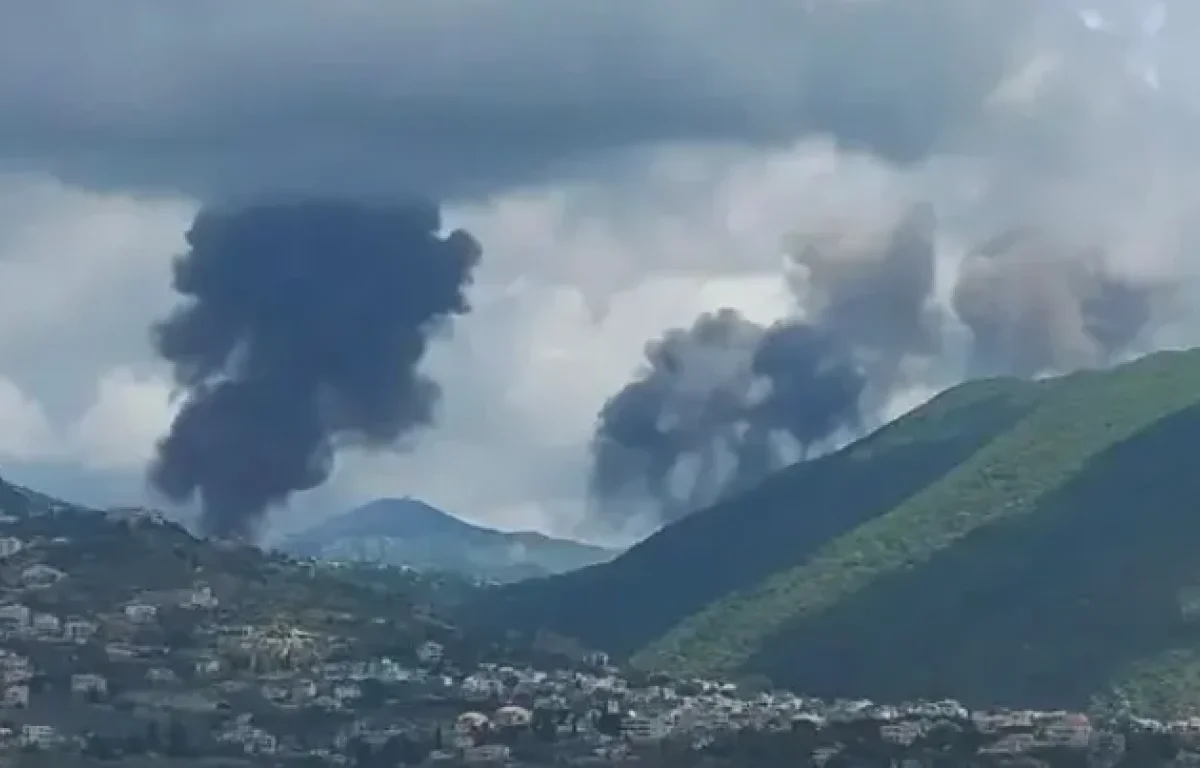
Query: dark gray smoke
point(303, 329)
point(710, 409)
point(734, 401)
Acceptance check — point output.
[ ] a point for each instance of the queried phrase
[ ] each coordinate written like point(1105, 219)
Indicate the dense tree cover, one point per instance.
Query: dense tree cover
point(622, 605)
point(1078, 418)
point(1009, 543)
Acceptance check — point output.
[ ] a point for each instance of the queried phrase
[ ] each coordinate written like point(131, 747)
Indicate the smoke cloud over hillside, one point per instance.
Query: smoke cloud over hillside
point(720, 405)
point(714, 407)
point(303, 328)
point(894, 195)
point(1010, 241)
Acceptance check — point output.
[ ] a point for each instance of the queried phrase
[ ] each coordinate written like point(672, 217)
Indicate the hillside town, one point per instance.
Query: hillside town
point(100, 664)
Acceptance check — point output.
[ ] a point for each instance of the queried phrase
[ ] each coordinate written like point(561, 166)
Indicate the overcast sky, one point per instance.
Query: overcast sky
point(625, 164)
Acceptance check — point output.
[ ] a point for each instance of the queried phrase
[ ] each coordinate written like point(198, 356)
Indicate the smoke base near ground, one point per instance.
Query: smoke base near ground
point(302, 330)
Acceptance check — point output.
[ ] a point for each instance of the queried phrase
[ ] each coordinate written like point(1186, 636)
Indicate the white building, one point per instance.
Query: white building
point(344, 692)
point(46, 624)
point(89, 683)
point(202, 597)
point(141, 613)
point(208, 667)
point(430, 652)
point(15, 697)
point(486, 754)
point(642, 729)
point(512, 717)
point(38, 736)
point(14, 668)
point(79, 630)
point(40, 575)
point(15, 613)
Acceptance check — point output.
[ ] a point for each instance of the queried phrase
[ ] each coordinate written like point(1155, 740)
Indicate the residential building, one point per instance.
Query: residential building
point(1073, 730)
point(489, 754)
point(89, 684)
point(208, 667)
point(40, 575)
point(202, 597)
point(141, 613)
point(642, 729)
point(46, 624)
point(9, 546)
point(38, 736)
point(430, 653)
point(15, 697)
point(15, 614)
point(14, 668)
point(344, 692)
point(902, 733)
point(79, 630)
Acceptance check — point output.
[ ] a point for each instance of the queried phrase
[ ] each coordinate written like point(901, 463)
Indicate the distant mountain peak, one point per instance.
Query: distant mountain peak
point(408, 531)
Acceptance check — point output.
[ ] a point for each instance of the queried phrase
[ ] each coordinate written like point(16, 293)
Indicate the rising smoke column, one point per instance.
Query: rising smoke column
point(714, 399)
point(721, 395)
point(813, 388)
point(696, 383)
point(872, 291)
point(303, 328)
point(1035, 305)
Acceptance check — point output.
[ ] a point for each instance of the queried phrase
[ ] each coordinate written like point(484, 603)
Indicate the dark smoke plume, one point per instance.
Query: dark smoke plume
point(738, 401)
point(303, 330)
point(813, 389)
point(718, 396)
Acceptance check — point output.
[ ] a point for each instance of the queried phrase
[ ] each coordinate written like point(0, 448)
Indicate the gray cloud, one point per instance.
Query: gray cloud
point(369, 97)
point(1004, 116)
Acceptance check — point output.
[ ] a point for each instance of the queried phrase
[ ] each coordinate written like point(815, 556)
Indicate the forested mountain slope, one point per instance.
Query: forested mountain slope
point(630, 601)
point(1007, 543)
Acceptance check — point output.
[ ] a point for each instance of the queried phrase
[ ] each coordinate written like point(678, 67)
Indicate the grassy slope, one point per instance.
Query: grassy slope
point(642, 594)
point(1026, 469)
point(1042, 609)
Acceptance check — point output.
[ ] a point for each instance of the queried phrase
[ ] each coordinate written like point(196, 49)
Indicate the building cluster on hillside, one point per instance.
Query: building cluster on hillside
point(178, 671)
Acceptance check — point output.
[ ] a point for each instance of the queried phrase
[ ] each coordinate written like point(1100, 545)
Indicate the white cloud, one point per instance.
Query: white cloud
point(119, 429)
point(25, 432)
point(523, 381)
point(82, 275)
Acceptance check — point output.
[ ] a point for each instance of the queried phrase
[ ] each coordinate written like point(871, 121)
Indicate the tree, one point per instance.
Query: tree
point(99, 748)
point(755, 683)
point(153, 737)
point(362, 753)
point(177, 739)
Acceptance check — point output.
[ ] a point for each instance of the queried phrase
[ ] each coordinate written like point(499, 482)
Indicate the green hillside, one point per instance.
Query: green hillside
point(626, 603)
point(1030, 549)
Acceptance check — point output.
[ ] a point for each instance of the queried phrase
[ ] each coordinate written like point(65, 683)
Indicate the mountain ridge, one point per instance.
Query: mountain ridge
point(407, 531)
point(838, 559)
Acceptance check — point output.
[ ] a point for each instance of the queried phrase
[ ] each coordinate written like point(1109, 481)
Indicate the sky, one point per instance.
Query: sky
point(626, 166)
